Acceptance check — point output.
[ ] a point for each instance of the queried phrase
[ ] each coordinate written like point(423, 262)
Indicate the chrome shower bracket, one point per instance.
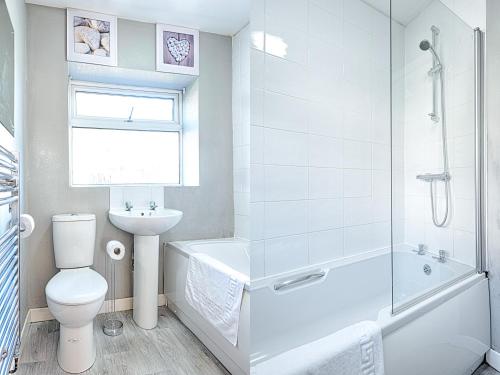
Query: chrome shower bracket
point(433, 72)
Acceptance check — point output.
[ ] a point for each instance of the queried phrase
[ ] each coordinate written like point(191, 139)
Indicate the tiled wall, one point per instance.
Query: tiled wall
point(241, 132)
point(139, 196)
point(423, 145)
point(320, 132)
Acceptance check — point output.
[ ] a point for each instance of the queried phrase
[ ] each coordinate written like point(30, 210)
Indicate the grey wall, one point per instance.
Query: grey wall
point(208, 209)
point(17, 13)
point(493, 162)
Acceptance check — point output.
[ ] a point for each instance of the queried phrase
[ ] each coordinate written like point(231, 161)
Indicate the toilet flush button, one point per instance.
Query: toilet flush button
point(73, 340)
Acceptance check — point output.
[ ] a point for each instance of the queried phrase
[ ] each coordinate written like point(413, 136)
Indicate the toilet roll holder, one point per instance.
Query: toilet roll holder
point(113, 327)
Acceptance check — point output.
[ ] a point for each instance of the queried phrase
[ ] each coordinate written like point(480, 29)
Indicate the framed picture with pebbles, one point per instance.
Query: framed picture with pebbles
point(177, 50)
point(91, 37)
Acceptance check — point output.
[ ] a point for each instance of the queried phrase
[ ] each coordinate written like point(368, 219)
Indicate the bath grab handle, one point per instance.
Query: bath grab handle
point(299, 280)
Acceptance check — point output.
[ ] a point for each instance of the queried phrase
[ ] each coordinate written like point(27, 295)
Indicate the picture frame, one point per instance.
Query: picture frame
point(177, 50)
point(91, 37)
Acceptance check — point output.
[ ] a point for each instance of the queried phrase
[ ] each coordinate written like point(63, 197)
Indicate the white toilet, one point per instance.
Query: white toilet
point(75, 294)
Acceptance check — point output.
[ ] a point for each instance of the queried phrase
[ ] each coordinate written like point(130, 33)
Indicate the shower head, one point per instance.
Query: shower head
point(425, 45)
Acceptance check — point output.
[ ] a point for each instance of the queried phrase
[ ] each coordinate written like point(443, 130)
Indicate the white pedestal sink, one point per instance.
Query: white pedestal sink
point(146, 226)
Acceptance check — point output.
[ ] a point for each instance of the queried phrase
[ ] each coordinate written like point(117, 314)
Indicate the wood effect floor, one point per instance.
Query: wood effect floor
point(486, 370)
point(169, 349)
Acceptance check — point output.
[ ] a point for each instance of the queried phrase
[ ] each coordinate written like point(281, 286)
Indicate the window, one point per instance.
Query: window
point(124, 135)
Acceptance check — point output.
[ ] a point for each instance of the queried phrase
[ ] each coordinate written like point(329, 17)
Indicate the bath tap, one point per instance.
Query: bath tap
point(442, 256)
point(128, 206)
point(421, 249)
point(153, 206)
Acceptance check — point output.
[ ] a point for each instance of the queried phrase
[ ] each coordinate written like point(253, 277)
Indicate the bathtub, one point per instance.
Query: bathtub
point(232, 252)
point(447, 333)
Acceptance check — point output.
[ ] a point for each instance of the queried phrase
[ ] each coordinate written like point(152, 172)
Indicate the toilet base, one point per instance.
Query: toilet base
point(76, 351)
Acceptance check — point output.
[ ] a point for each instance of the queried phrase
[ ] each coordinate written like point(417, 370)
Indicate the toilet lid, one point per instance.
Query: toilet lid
point(76, 287)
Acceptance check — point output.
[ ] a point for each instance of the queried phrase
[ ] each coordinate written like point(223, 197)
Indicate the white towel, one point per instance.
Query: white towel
point(215, 291)
point(355, 350)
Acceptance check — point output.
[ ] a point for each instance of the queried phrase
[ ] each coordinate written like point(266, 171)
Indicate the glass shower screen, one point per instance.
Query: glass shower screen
point(433, 150)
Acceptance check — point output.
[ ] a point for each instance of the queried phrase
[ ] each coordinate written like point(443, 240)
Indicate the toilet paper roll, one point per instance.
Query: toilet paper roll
point(26, 225)
point(115, 250)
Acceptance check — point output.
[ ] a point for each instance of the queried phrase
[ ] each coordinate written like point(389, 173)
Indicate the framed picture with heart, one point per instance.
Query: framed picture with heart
point(177, 50)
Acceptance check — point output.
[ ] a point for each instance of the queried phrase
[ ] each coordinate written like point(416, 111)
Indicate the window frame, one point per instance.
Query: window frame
point(75, 121)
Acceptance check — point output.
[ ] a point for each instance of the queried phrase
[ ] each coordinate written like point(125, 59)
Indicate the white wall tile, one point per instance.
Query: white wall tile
point(357, 183)
point(158, 195)
point(357, 239)
point(257, 223)
point(464, 247)
point(357, 155)
point(325, 183)
point(285, 77)
point(285, 218)
point(286, 253)
point(257, 107)
point(324, 214)
point(257, 259)
point(256, 144)
point(357, 126)
point(326, 245)
point(381, 235)
point(115, 197)
point(464, 214)
point(285, 112)
point(285, 183)
point(357, 211)
point(286, 43)
point(325, 119)
point(295, 16)
point(285, 148)
point(257, 183)
point(381, 183)
point(325, 152)
point(324, 25)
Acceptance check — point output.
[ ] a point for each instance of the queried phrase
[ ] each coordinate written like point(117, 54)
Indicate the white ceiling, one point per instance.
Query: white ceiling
point(403, 11)
point(224, 17)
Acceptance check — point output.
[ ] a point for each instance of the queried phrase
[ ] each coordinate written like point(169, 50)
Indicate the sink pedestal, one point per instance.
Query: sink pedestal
point(146, 259)
point(146, 226)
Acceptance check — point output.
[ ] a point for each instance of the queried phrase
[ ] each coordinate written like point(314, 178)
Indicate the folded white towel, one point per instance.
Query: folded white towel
point(355, 350)
point(215, 291)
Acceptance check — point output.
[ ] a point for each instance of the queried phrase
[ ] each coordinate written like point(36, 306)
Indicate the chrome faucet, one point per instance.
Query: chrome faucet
point(442, 256)
point(421, 249)
point(152, 205)
point(128, 206)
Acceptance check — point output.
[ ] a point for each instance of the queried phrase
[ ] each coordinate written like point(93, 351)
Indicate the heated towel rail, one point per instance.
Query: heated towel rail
point(9, 260)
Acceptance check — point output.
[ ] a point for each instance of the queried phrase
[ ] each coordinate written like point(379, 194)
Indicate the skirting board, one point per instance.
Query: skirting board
point(122, 304)
point(493, 359)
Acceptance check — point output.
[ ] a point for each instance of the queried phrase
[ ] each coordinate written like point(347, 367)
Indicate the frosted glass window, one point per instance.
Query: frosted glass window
point(108, 156)
point(123, 107)
point(125, 135)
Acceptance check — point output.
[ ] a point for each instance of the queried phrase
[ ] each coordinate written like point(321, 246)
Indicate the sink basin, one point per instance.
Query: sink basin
point(145, 222)
point(146, 226)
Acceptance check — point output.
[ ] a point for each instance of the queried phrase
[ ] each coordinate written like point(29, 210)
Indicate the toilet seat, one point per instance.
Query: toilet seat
point(78, 286)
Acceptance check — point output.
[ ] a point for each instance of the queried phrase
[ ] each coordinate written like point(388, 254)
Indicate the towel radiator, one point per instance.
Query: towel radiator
point(9, 260)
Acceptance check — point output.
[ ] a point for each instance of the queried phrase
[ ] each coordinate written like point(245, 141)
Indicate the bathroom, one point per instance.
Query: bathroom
point(249, 187)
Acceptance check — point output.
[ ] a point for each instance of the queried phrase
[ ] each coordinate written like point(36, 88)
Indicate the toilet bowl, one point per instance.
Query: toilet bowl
point(74, 298)
point(76, 293)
